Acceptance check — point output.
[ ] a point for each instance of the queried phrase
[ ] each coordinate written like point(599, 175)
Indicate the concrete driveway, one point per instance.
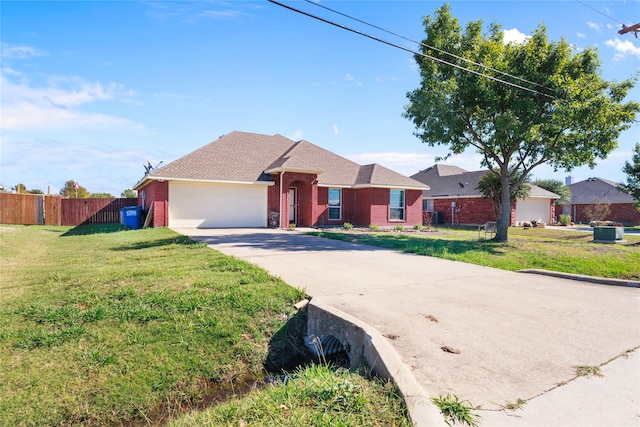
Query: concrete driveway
point(486, 335)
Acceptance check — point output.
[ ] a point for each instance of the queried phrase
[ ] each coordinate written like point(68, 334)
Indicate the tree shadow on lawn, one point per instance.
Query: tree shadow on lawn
point(85, 230)
point(177, 240)
point(430, 246)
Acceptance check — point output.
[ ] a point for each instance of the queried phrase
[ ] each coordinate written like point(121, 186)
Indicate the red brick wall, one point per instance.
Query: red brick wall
point(307, 193)
point(379, 207)
point(625, 213)
point(362, 215)
point(349, 214)
point(469, 211)
point(372, 207)
point(413, 201)
point(156, 191)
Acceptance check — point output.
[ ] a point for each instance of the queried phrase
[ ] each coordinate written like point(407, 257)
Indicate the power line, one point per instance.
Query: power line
point(429, 47)
point(442, 61)
point(600, 12)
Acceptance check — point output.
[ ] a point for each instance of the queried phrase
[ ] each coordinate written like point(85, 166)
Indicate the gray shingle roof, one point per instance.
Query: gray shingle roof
point(250, 157)
point(452, 181)
point(598, 190)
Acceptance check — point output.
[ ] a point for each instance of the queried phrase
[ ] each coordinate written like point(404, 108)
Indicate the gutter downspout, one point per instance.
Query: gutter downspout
point(281, 193)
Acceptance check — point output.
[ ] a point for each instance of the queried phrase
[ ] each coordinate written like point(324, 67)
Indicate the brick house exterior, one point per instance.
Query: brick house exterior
point(245, 179)
point(453, 194)
point(585, 195)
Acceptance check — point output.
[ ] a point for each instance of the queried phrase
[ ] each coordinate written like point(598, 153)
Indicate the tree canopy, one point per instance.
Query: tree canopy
point(518, 104)
point(129, 193)
point(632, 170)
point(72, 190)
point(491, 188)
point(555, 186)
point(20, 188)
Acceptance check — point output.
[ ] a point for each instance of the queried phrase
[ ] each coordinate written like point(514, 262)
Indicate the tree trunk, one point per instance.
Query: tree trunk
point(504, 219)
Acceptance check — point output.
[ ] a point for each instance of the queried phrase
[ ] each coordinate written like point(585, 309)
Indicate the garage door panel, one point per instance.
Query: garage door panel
point(217, 205)
point(532, 210)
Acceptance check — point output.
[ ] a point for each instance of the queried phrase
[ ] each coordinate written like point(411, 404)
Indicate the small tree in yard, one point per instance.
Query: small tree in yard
point(491, 188)
point(129, 193)
point(632, 170)
point(552, 107)
point(557, 187)
point(598, 211)
point(72, 190)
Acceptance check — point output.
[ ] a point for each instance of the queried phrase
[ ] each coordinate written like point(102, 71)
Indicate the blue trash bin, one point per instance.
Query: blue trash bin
point(130, 217)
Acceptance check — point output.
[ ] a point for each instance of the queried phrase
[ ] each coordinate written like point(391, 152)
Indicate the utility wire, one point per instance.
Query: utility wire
point(410, 50)
point(429, 47)
point(600, 12)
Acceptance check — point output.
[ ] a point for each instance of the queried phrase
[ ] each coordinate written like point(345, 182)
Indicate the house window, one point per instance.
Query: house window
point(427, 205)
point(335, 203)
point(396, 205)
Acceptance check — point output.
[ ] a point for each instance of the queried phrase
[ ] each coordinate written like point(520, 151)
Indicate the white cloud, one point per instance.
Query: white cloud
point(581, 35)
point(19, 52)
point(623, 48)
point(514, 35)
point(57, 104)
point(593, 26)
point(335, 129)
point(297, 135)
point(348, 77)
point(46, 163)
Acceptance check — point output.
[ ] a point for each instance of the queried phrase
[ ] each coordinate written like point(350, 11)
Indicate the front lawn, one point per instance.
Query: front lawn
point(538, 248)
point(101, 326)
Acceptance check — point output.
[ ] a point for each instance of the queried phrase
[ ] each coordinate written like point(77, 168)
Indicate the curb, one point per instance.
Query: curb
point(383, 359)
point(583, 278)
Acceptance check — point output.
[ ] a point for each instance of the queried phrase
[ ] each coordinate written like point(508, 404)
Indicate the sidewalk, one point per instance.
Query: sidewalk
point(486, 335)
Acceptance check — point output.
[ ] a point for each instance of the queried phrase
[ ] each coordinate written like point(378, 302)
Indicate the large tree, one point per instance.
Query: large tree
point(632, 170)
point(556, 110)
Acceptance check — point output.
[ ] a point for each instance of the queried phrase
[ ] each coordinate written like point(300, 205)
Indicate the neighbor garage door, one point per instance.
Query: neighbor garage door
point(532, 209)
point(209, 205)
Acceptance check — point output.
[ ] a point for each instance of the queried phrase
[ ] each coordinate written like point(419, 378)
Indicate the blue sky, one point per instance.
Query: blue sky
point(91, 91)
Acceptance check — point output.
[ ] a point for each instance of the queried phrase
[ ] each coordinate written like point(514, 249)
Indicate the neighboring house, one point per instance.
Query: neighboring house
point(455, 198)
point(587, 194)
point(251, 180)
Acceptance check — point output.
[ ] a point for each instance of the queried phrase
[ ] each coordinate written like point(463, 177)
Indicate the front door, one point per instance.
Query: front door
point(292, 205)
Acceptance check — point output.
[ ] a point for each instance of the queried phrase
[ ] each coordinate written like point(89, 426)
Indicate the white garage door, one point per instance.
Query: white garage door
point(532, 209)
point(207, 205)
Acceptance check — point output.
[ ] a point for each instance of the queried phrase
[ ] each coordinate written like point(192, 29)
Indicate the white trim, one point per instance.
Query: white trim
point(280, 195)
point(404, 206)
point(360, 186)
point(214, 181)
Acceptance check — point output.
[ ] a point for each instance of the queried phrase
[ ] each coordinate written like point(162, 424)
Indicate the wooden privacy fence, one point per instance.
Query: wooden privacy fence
point(29, 209)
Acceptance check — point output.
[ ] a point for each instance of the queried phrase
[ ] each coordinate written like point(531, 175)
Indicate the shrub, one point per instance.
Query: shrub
point(374, 227)
point(564, 219)
point(291, 227)
point(418, 227)
point(398, 228)
point(347, 226)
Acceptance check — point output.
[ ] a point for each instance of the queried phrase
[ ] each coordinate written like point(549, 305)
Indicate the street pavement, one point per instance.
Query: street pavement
point(485, 335)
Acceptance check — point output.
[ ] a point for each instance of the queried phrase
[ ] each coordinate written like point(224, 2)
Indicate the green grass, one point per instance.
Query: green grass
point(456, 411)
point(102, 326)
point(548, 249)
point(337, 398)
